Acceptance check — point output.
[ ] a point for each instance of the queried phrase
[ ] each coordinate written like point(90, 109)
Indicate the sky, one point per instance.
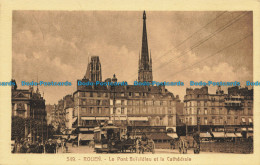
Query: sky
point(185, 46)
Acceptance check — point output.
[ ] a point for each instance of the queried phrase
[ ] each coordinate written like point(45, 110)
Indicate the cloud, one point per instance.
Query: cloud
point(57, 45)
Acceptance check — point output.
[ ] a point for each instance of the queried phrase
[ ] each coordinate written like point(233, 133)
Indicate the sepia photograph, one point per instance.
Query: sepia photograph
point(132, 82)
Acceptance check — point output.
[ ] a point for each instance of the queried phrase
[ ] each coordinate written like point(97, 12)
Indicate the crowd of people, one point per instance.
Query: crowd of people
point(144, 144)
point(50, 146)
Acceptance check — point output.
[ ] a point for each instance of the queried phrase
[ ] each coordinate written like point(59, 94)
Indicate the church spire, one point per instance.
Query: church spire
point(144, 53)
point(145, 70)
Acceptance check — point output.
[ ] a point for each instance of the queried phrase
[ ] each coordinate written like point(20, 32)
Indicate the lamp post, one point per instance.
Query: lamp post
point(186, 128)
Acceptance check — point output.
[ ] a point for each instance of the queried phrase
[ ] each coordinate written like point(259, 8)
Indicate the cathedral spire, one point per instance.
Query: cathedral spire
point(145, 70)
point(144, 53)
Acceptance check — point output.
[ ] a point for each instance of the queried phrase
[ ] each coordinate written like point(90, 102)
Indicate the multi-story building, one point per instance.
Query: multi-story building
point(128, 106)
point(49, 110)
point(226, 113)
point(29, 106)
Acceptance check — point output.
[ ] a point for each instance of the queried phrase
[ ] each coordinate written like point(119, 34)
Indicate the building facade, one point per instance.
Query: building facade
point(220, 112)
point(28, 114)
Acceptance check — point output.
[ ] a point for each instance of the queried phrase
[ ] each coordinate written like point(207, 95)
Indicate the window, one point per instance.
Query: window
point(83, 102)
point(217, 120)
point(150, 102)
point(250, 112)
point(98, 94)
point(118, 102)
point(98, 102)
point(213, 111)
point(137, 110)
point(205, 111)
point(114, 110)
point(130, 93)
point(137, 94)
point(105, 94)
point(129, 102)
point(205, 103)
point(205, 120)
point(91, 110)
point(169, 111)
point(129, 110)
point(228, 120)
point(199, 112)
point(122, 94)
point(235, 120)
point(91, 94)
point(104, 102)
point(213, 120)
point(122, 110)
point(165, 103)
point(221, 120)
point(157, 103)
point(123, 102)
point(99, 110)
point(198, 103)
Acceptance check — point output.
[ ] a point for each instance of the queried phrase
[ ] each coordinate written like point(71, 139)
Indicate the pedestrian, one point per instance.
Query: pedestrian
point(137, 146)
point(173, 144)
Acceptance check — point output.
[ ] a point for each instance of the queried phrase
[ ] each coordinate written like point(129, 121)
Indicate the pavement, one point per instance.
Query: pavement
point(90, 150)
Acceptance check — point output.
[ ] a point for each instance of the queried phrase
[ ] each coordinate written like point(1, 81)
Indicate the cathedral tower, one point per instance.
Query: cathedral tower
point(145, 64)
point(93, 72)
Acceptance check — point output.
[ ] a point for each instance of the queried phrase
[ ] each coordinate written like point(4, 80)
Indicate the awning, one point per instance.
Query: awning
point(243, 129)
point(138, 118)
point(250, 129)
point(205, 135)
point(102, 118)
point(86, 136)
point(94, 118)
point(118, 117)
point(238, 134)
point(88, 118)
point(218, 134)
point(243, 120)
point(173, 135)
point(249, 134)
point(83, 129)
point(159, 136)
point(250, 120)
point(230, 135)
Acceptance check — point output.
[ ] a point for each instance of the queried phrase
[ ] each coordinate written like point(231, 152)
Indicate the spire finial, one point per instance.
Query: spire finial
point(144, 15)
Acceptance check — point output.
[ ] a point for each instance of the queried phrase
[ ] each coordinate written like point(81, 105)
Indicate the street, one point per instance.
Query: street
point(90, 150)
